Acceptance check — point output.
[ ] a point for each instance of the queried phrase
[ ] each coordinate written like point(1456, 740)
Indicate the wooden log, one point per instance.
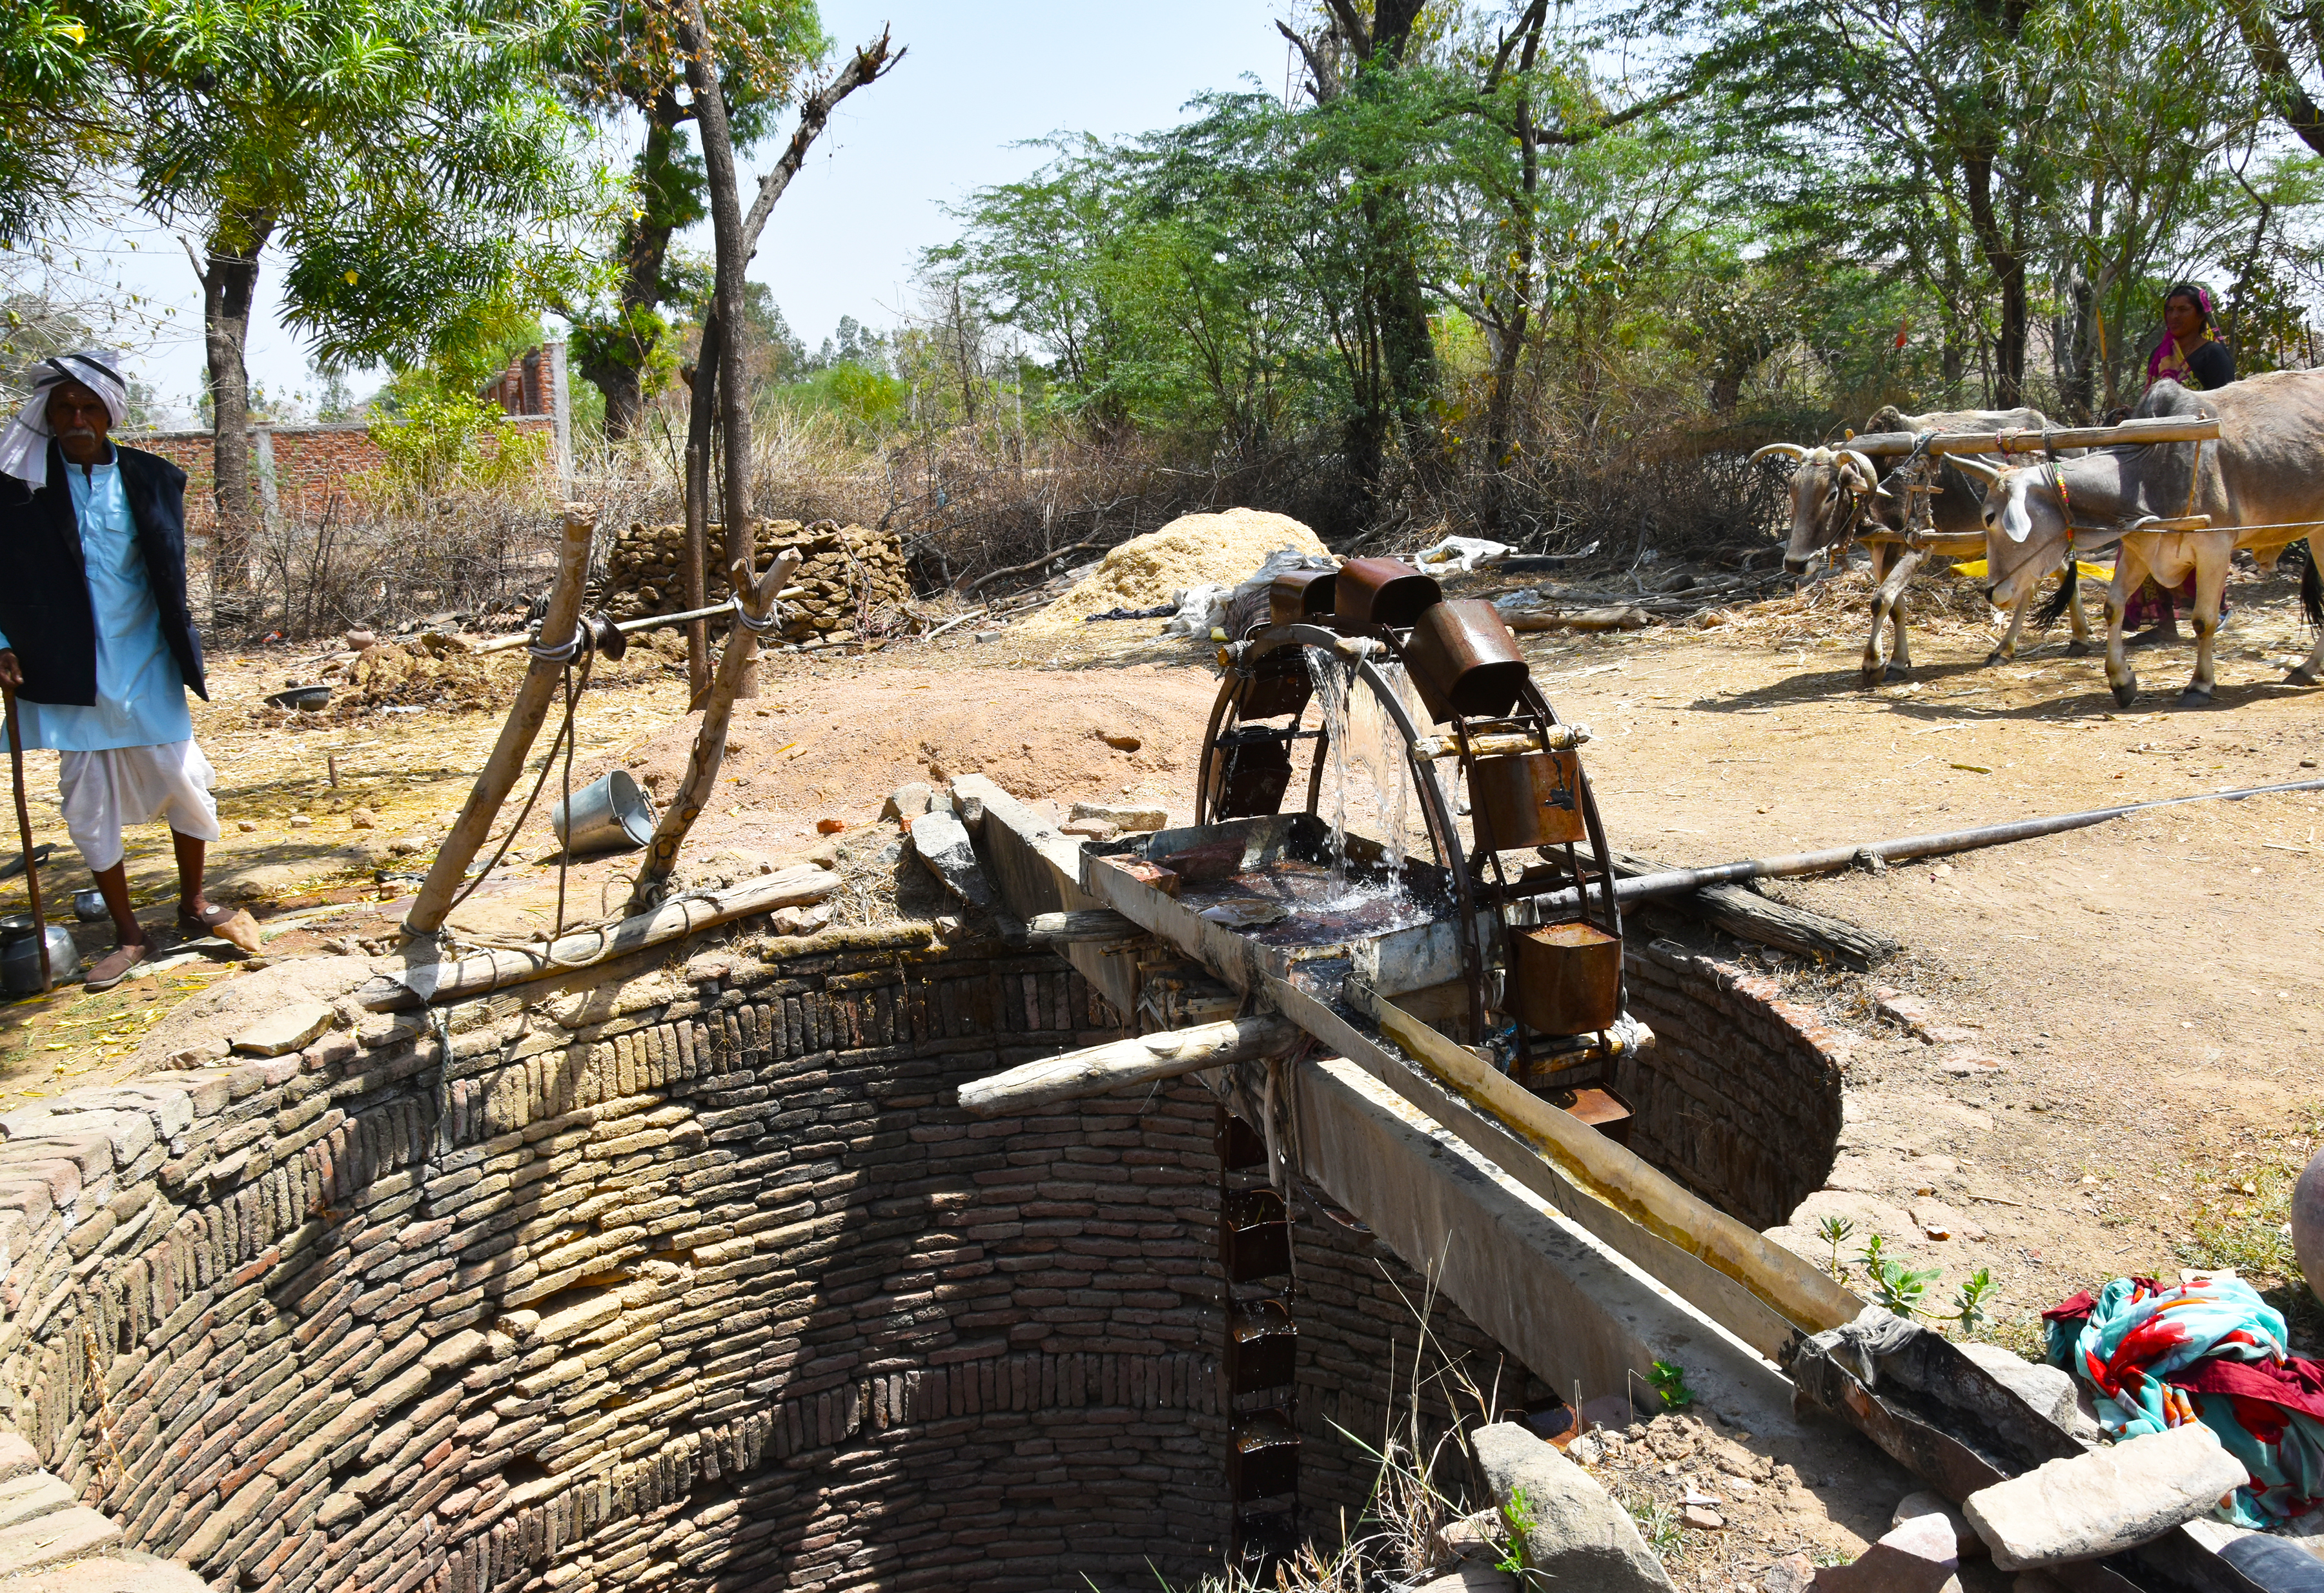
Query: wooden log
point(684, 805)
point(1123, 1063)
point(1627, 617)
point(1075, 929)
point(1748, 915)
point(435, 982)
point(1492, 743)
point(534, 695)
point(632, 627)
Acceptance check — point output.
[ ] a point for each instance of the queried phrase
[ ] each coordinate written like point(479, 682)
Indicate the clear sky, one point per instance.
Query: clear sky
point(978, 79)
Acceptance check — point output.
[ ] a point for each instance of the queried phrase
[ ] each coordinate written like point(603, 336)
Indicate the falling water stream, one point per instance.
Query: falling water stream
point(1331, 698)
point(1363, 737)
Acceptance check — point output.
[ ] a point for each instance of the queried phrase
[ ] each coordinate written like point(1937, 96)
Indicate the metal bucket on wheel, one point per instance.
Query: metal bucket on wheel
point(1464, 660)
point(1530, 799)
point(1383, 592)
point(614, 815)
point(1568, 977)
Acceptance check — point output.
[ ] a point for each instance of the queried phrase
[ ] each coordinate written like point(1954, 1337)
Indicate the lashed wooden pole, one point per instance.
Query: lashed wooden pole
point(534, 695)
point(1118, 1063)
point(684, 805)
point(25, 832)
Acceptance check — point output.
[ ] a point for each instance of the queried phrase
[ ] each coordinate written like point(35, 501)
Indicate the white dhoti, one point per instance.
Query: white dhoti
point(103, 790)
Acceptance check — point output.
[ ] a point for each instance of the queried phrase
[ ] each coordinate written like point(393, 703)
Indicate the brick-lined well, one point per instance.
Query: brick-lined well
point(695, 1278)
point(1739, 1096)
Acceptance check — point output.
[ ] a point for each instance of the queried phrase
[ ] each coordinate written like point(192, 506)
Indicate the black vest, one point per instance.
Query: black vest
point(44, 603)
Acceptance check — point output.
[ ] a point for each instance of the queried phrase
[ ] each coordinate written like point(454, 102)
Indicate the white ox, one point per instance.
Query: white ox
point(2258, 482)
point(1837, 491)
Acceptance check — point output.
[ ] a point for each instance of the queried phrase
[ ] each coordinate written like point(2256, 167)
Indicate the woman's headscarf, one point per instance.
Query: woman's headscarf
point(24, 444)
point(2167, 360)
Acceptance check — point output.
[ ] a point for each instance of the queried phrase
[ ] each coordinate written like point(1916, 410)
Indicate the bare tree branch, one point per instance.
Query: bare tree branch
point(867, 66)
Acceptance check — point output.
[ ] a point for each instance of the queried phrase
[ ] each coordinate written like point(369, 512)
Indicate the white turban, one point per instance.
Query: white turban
point(24, 445)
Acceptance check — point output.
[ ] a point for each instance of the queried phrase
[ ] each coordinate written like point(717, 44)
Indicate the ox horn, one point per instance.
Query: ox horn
point(1976, 466)
point(1792, 449)
point(1863, 463)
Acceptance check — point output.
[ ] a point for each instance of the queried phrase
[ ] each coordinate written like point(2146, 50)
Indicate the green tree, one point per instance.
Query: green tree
point(627, 62)
point(54, 93)
point(399, 151)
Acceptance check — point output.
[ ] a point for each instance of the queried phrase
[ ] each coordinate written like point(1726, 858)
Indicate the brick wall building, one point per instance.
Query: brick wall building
point(298, 468)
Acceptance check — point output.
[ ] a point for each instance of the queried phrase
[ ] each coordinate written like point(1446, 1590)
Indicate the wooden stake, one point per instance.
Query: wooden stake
point(1124, 1062)
point(534, 695)
point(684, 805)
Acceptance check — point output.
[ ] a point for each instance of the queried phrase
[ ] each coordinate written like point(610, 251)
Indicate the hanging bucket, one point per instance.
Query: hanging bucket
point(1529, 799)
point(1302, 595)
point(1464, 660)
point(611, 816)
point(1383, 592)
point(1568, 977)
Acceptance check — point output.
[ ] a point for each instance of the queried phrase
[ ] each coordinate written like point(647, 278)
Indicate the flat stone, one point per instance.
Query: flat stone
point(53, 1539)
point(106, 1574)
point(942, 843)
point(1940, 1221)
point(35, 1495)
point(1948, 1035)
point(1916, 1556)
point(1580, 1537)
point(17, 1457)
point(2050, 1390)
point(1793, 1573)
point(1967, 1545)
point(1122, 816)
point(908, 800)
point(1097, 830)
point(1909, 1013)
point(284, 1030)
point(2106, 1501)
point(1701, 1517)
point(1970, 1064)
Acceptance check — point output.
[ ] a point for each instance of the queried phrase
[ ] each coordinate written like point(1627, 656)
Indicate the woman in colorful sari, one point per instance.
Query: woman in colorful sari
point(2196, 357)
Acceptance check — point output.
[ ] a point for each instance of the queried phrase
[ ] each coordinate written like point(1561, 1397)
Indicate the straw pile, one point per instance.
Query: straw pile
point(1841, 607)
point(1192, 551)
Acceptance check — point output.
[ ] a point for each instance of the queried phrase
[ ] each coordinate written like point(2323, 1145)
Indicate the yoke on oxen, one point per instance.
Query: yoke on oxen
point(1893, 513)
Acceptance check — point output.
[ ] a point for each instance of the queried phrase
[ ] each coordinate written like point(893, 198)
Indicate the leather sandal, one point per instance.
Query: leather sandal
point(233, 925)
point(116, 966)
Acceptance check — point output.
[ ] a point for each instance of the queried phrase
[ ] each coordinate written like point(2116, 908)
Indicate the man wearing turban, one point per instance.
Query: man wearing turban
point(97, 642)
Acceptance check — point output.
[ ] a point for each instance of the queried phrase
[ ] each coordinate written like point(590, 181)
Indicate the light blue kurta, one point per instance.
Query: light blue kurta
point(141, 694)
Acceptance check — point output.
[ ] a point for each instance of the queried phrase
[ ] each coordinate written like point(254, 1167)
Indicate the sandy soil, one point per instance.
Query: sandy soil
point(2147, 988)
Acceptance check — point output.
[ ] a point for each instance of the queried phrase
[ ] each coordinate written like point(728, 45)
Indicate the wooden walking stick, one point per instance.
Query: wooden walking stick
point(24, 834)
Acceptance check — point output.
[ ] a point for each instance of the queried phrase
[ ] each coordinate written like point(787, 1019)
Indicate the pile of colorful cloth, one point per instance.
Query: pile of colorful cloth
point(2209, 1350)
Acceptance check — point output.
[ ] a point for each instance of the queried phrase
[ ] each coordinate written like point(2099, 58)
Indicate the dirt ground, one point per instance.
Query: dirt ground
point(2130, 1012)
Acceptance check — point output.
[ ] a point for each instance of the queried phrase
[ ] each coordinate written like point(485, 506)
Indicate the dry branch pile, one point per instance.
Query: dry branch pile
point(854, 578)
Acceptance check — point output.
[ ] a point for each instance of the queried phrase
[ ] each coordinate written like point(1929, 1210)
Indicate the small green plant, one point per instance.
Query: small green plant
point(1834, 1231)
point(1970, 1301)
point(1899, 1288)
point(1669, 1379)
point(1518, 1516)
point(1658, 1522)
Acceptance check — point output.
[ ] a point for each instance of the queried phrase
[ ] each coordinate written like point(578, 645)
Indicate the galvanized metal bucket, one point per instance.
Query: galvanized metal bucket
point(20, 953)
point(611, 816)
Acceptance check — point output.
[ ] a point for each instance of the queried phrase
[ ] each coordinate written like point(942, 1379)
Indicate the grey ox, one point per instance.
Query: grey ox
point(1837, 491)
point(2259, 483)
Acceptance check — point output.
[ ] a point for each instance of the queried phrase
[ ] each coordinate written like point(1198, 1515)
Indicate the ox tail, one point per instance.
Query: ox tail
point(2062, 601)
point(2312, 590)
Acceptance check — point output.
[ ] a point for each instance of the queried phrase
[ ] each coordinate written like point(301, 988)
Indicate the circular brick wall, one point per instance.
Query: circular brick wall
point(1739, 1096)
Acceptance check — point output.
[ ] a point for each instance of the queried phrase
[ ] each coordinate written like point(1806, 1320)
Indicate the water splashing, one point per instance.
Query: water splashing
point(1332, 698)
point(1379, 749)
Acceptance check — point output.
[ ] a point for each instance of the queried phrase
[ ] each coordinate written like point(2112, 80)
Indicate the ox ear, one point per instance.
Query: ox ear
point(2016, 520)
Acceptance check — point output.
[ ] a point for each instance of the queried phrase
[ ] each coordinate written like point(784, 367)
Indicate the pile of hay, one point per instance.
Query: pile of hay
point(447, 676)
point(1192, 551)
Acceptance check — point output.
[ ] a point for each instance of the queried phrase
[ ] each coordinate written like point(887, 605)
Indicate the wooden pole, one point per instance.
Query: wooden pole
point(2161, 429)
point(24, 834)
point(684, 805)
point(534, 695)
point(471, 976)
point(1123, 1063)
point(699, 419)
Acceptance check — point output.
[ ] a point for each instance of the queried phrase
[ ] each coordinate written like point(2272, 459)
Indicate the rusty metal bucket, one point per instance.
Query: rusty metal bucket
point(1528, 800)
point(1277, 685)
point(1257, 774)
point(1298, 595)
point(1568, 977)
point(1464, 660)
point(1384, 592)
